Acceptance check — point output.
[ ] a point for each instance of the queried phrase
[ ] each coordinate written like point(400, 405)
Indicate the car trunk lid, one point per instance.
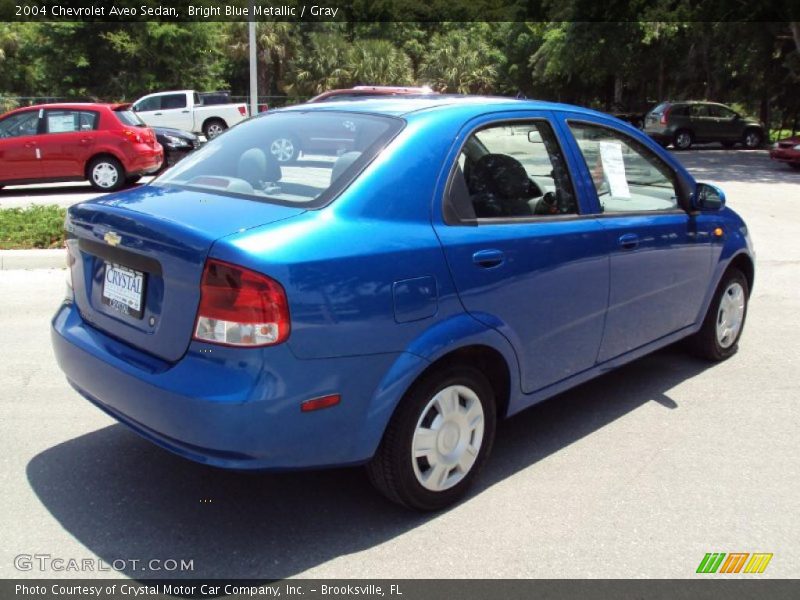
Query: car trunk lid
point(138, 258)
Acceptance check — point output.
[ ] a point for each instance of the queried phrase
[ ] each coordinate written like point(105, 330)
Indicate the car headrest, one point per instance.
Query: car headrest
point(342, 163)
point(256, 167)
point(499, 174)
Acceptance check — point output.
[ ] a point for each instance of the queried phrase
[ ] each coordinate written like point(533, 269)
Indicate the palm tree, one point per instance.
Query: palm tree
point(460, 62)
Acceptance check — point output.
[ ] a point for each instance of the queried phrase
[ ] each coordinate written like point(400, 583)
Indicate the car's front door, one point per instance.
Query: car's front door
point(728, 125)
point(524, 259)
point(19, 147)
point(660, 254)
point(67, 141)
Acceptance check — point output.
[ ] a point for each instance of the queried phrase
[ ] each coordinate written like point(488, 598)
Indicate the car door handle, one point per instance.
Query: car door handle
point(629, 241)
point(185, 111)
point(488, 258)
point(158, 114)
point(85, 140)
point(30, 145)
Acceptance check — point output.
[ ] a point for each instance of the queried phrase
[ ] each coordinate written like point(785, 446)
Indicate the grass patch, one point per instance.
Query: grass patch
point(32, 227)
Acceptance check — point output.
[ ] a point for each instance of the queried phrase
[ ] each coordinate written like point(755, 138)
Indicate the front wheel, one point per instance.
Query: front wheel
point(106, 174)
point(437, 440)
point(718, 338)
point(285, 149)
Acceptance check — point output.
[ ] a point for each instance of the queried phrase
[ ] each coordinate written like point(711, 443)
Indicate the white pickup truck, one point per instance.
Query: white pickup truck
point(184, 110)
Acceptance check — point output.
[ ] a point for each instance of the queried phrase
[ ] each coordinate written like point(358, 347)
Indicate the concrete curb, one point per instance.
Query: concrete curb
point(32, 259)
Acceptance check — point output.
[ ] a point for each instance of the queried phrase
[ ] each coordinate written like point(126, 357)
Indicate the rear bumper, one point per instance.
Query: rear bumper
point(228, 407)
point(662, 137)
point(145, 161)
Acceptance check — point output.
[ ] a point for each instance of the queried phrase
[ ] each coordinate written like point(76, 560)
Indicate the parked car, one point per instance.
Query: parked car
point(184, 110)
point(473, 258)
point(787, 151)
point(104, 143)
point(337, 137)
point(370, 91)
point(685, 123)
point(177, 144)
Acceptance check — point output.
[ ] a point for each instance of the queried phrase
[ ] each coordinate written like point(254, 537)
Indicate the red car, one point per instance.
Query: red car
point(105, 143)
point(787, 151)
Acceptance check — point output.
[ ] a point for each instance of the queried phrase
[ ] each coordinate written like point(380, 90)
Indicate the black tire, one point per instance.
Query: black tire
point(752, 139)
point(683, 139)
point(133, 179)
point(285, 149)
point(213, 127)
point(706, 343)
point(106, 174)
point(393, 469)
point(795, 166)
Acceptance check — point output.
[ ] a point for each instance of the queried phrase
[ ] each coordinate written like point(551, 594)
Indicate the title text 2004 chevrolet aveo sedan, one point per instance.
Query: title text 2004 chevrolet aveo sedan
point(461, 260)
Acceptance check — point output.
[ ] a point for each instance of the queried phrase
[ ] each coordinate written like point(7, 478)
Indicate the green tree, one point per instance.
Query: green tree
point(461, 61)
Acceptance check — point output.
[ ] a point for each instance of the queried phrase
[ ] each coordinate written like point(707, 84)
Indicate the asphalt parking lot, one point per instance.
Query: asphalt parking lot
point(636, 474)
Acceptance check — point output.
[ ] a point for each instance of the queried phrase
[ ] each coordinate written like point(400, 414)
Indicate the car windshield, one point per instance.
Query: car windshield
point(128, 117)
point(289, 158)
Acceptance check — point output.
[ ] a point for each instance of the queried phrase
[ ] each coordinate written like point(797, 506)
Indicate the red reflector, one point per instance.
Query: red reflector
point(319, 403)
point(665, 114)
point(243, 111)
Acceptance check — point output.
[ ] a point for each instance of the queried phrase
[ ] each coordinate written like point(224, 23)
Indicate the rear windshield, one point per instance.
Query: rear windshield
point(659, 109)
point(128, 117)
point(291, 158)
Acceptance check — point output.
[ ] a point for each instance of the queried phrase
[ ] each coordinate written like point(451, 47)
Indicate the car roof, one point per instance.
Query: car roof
point(402, 106)
point(68, 105)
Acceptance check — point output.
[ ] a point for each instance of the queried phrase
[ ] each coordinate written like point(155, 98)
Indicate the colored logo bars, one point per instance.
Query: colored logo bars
point(714, 562)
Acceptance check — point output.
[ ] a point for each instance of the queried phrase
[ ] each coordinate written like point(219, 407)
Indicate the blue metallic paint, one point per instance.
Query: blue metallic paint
point(544, 309)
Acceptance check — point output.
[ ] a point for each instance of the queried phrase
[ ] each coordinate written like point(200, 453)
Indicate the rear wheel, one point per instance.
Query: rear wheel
point(213, 128)
point(106, 174)
point(285, 148)
point(683, 140)
point(718, 338)
point(752, 139)
point(437, 440)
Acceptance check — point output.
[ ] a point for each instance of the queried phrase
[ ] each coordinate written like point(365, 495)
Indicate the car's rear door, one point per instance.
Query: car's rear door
point(660, 255)
point(19, 147)
point(67, 141)
point(525, 258)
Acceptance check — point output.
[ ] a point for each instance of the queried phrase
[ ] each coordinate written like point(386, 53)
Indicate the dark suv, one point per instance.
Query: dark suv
point(685, 123)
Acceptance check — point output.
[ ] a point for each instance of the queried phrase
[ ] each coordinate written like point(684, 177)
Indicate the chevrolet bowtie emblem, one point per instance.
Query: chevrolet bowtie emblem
point(112, 238)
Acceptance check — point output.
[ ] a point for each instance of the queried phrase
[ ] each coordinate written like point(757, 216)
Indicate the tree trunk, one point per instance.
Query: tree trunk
point(795, 27)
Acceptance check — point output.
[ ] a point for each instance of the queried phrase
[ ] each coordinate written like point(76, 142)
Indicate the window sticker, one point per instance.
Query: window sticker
point(614, 169)
point(60, 123)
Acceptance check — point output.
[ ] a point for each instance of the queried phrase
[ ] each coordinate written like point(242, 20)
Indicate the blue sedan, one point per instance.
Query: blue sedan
point(444, 263)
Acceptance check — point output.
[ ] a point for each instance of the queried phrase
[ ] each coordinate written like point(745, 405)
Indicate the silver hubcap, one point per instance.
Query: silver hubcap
point(105, 175)
point(282, 149)
point(730, 315)
point(214, 131)
point(751, 140)
point(684, 140)
point(447, 438)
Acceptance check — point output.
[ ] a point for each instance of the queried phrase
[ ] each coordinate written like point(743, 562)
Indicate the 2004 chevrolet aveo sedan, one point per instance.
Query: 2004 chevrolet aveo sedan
point(386, 304)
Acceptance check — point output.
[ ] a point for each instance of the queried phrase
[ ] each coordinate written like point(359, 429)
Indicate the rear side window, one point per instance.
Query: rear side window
point(69, 121)
point(247, 159)
point(25, 123)
point(511, 171)
point(173, 101)
point(627, 176)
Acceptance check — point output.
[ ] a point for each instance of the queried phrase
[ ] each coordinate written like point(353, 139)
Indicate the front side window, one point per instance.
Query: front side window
point(68, 121)
point(510, 171)
point(246, 160)
point(148, 104)
point(25, 123)
point(627, 176)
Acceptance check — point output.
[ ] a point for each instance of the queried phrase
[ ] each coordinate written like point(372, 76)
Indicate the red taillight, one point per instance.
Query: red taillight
point(239, 307)
point(132, 136)
point(664, 115)
point(243, 110)
point(320, 403)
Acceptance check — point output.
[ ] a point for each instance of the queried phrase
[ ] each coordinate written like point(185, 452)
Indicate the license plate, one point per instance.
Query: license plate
point(123, 289)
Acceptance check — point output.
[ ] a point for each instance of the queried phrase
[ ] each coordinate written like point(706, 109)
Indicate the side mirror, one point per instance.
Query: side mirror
point(708, 197)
